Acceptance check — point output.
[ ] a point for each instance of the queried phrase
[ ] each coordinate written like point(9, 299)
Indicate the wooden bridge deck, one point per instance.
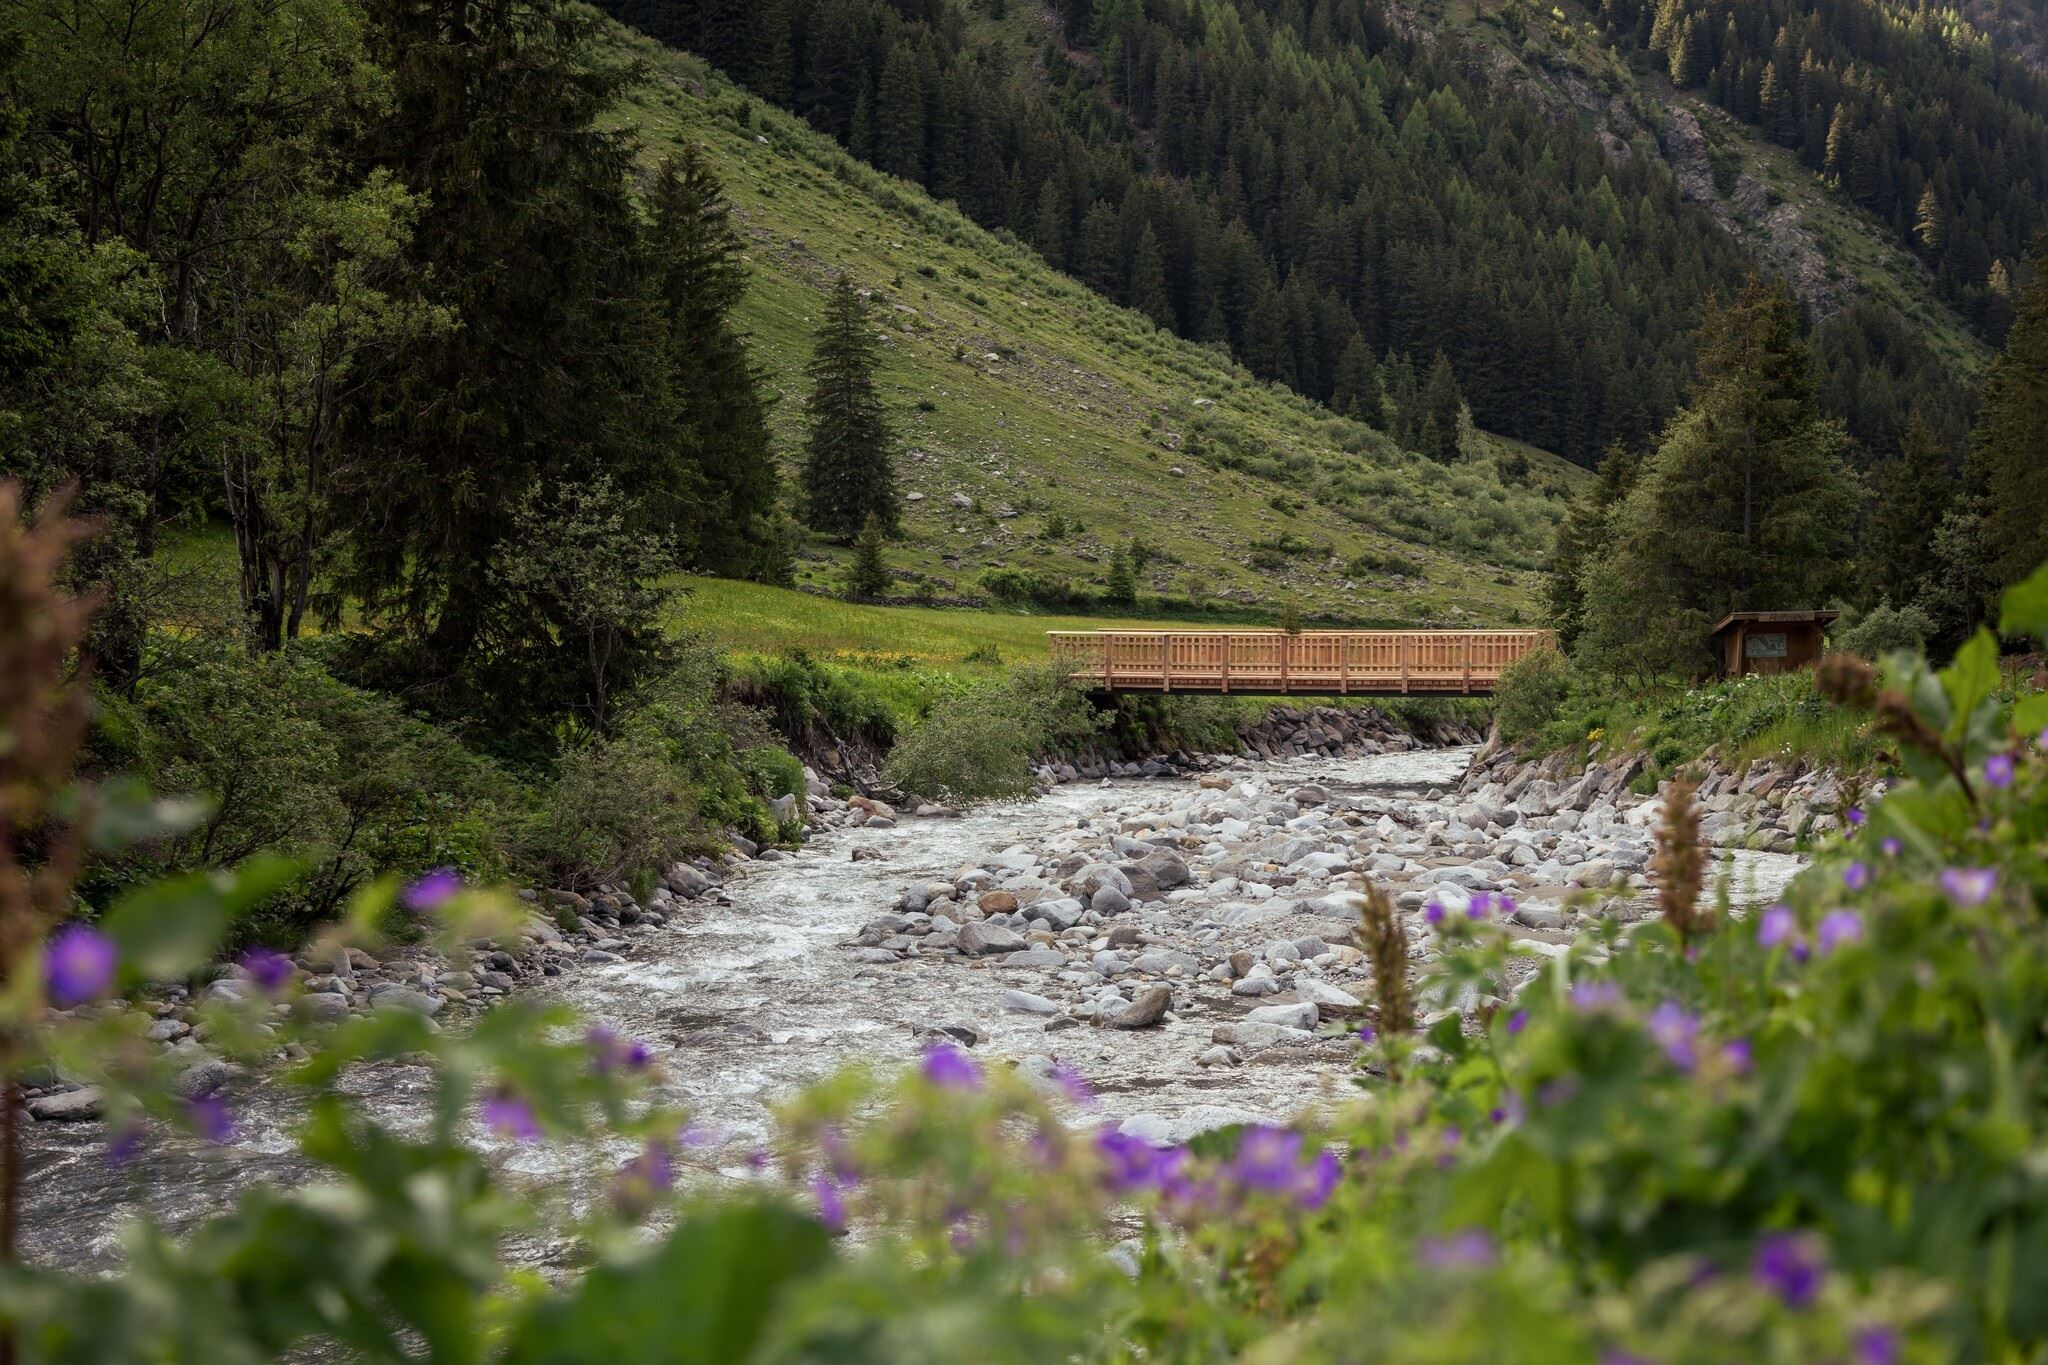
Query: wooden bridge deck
point(1343, 663)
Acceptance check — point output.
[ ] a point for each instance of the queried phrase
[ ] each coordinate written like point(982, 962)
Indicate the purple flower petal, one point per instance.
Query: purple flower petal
point(1836, 928)
point(1313, 1188)
point(1366, 1033)
point(1854, 815)
point(1471, 1249)
point(1517, 1021)
point(1998, 771)
point(511, 1117)
point(1677, 1032)
point(1777, 925)
point(1433, 912)
point(1073, 1085)
point(1790, 1266)
point(1969, 885)
point(1876, 1345)
point(78, 965)
point(1888, 846)
point(831, 1197)
point(268, 968)
point(433, 890)
point(1738, 1054)
point(210, 1117)
point(1856, 876)
point(948, 1068)
point(1591, 996)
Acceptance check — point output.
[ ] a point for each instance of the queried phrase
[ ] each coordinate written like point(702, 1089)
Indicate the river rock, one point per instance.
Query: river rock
point(1024, 1002)
point(1147, 1008)
point(419, 1002)
point(1301, 1015)
point(1167, 869)
point(1323, 996)
point(1251, 1035)
point(70, 1106)
point(998, 902)
point(1163, 960)
point(1034, 957)
point(979, 939)
point(1108, 900)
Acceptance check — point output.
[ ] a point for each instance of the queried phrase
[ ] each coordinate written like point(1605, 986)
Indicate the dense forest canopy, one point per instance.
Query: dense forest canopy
point(1299, 181)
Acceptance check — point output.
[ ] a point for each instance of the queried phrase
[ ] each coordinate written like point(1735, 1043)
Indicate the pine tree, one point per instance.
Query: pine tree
point(1914, 490)
point(721, 494)
point(867, 575)
point(1442, 406)
point(1148, 280)
point(1581, 540)
point(1122, 587)
point(2007, 464)
point(1358, 384)
point(1927, 220)
point(849, 463)
point(899, 121)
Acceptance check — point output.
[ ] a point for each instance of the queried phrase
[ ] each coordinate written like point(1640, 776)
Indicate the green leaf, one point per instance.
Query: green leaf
point(167, 928)
point(2025, 608)
point(704, 1296)
point(2030, 714)
point(1969, 680)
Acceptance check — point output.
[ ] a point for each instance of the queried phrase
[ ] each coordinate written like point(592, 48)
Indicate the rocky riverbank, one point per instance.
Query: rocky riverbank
point(1222, 910)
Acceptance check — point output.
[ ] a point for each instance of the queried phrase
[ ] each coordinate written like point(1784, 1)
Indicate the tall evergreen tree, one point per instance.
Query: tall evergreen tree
point(499, 118)
point(1358, 384)
point(867, 573)
point(849, 461)
point(1442, 407)
point(2007, 448)
point(720, 495)
point(1581, 540)
point(1914, 490)
point(1148, 280)
point(900, 116)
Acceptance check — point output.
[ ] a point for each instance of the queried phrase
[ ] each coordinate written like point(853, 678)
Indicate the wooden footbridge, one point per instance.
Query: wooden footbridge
point(1340, 663)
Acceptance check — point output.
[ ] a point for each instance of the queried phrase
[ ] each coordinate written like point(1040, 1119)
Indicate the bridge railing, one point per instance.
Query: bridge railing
point(1313, 662)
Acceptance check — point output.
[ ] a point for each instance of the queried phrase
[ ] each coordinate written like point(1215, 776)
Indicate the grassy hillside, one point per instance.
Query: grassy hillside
point(1042, 426)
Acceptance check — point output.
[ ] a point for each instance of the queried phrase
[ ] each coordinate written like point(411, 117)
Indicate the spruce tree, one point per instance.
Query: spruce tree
point(1442, 406)
point(849, 463)
point(868, 576)
point(720, 496)
point(1358, 384)
point(1122, 587)
point(2012, 429)
point(1914, 489)
point(1148, 280)
point(1581, 540)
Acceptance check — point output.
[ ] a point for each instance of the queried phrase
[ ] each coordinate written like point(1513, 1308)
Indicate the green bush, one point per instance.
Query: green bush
point(617, 810)
point(979, 745)
point(1884, 629)
point(290, 760)
point(1532, 691)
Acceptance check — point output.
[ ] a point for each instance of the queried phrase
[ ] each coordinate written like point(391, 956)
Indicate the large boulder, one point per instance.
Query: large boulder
point(1147, 1008)
point(980, 939)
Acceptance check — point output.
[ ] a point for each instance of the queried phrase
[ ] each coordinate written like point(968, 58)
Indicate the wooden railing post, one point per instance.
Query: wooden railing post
point(1165, 663)
point(1285, 643)
point(1228, 640)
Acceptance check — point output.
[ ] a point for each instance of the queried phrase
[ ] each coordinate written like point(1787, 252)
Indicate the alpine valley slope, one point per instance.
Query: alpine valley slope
point(1043, 426)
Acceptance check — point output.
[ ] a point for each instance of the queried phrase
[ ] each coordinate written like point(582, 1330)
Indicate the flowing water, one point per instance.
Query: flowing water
point(747, 1003)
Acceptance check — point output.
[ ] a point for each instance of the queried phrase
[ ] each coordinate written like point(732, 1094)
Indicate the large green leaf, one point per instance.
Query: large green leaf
point(2025, 608)
point(2030, 714)
point(1968, 681)
point(167, 928)
point(704, 1296)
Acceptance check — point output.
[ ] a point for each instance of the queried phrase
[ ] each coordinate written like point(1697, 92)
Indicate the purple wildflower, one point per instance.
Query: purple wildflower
point(1677, 1032)
point(1875, 1345)
point(1433, 912)
point(1073, 1084)
point(1517, 1021)
point(1888, 846)
point(831, 1197)
point(1366, 1033)
point(1510, 1109)
point(124, 1144)
point(210, 1117)
point(1595, 995)
point(652, 1172)
point(1267, 1159)
point(511, 1117)
point(610, 1052)
point(695, 1137)
point(1738, 1054)
point(1312, 1189)
point(1854, 815)
point(432, 890)
point(1777, 925)
point(1471, 1249)
point(1969, 885)
point(1789, 1266)
point(268, 968)
point(1856, 876)
point(1836, 928)
point(1998, 771)
point(78, 965)
point(948, 1068)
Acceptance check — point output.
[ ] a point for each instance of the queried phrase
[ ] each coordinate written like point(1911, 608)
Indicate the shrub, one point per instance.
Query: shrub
point(617, 810)
point(1884, 629)
point(290, 760)
point(1531, 693)
point(979, 745)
